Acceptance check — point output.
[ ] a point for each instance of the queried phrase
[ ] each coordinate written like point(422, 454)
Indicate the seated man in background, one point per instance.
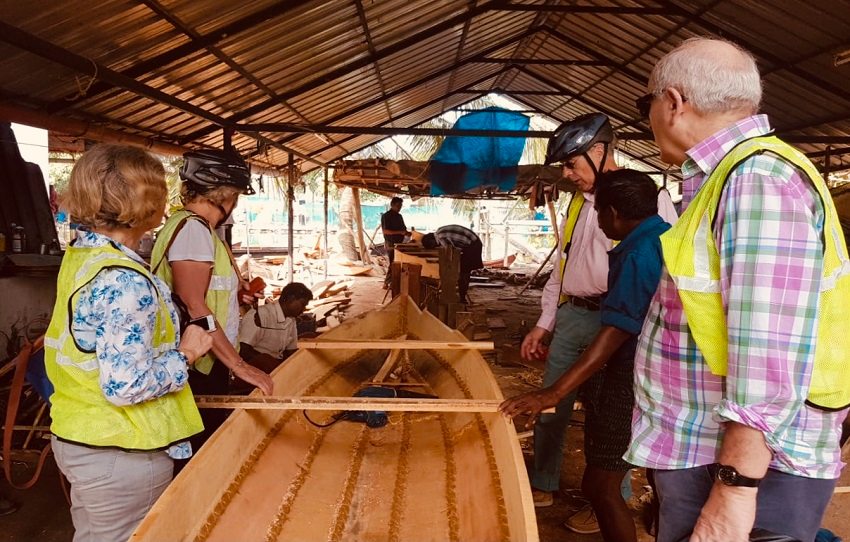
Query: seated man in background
point(470, 248)
point(268, 334)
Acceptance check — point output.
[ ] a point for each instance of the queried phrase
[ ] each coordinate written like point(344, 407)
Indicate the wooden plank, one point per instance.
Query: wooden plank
point(389, 364)
point(394, 344)
point(430, 267)
point(340, 298)
point(496, 323)
point(410, 281)
point(320, 288)
point(842, 489)
point(397, 404)
point(393, 385)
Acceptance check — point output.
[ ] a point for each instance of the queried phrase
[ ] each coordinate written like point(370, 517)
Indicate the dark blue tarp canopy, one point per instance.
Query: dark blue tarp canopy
point(471, 164)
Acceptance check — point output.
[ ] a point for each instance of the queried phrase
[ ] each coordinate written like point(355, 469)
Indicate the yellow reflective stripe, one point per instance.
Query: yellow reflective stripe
point(696, 284)
point(62, 359)
point(84, 270)
point(218, 282)
point(828, 281)
point(57, 344)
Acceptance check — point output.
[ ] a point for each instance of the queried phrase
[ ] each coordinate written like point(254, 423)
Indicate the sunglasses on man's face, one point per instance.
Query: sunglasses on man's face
point(644, 103)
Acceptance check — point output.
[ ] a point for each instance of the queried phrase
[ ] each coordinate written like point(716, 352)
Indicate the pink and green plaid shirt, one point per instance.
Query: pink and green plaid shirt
point(768, 231)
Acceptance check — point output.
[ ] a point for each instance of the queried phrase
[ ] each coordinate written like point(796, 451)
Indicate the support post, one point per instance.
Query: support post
point(449, 275)
point(395, 279)
point(361, 237)
point(507, 239)
point(290, 199)
point(327, 248)
point(410, 278)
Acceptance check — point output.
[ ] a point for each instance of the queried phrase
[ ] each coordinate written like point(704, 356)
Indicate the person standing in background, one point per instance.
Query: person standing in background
point(392, 225)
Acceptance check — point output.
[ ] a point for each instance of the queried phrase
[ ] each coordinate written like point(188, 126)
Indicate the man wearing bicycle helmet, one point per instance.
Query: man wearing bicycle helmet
point(201, 271)
point(570, 304)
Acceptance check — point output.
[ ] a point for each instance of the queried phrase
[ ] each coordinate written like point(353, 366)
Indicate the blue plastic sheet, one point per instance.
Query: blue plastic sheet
point(471, 164)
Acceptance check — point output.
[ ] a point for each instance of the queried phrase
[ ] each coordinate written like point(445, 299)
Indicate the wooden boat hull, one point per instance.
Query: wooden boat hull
point(271, 475)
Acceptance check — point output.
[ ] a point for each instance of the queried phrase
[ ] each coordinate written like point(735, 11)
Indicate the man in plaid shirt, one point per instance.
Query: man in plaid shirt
point(743, 450)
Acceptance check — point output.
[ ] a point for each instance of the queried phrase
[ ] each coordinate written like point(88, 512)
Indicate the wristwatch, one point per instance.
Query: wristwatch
point(728, 475)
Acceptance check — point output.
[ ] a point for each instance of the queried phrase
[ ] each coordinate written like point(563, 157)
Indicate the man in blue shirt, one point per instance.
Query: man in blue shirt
point(626, 203)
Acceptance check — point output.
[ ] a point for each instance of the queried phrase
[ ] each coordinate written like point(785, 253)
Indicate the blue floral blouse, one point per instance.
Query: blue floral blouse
point(115, 315)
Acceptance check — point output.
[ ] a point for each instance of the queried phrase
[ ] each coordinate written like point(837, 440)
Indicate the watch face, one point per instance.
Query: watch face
point(727, 475)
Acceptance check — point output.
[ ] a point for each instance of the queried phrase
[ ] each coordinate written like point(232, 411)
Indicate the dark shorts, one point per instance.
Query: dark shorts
point(608, 398)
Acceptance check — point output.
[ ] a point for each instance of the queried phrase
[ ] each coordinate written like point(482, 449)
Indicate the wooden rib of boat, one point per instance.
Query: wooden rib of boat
point(269, 475)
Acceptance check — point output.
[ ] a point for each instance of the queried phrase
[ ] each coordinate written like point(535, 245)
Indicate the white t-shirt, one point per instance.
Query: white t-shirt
point(194, 243)
point(275, 333)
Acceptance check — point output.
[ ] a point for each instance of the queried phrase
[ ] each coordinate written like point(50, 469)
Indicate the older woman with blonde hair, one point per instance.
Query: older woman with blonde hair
point(121, 409)
point(197, 264)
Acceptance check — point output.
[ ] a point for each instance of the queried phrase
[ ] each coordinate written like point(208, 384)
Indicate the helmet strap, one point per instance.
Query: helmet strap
point(601, 168)
point(225, 214)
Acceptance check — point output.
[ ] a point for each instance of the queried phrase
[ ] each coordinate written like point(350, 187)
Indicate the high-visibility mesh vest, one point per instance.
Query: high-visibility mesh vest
point(573, 212)
point(693, 261)
point(79, 410)
point(222, 282)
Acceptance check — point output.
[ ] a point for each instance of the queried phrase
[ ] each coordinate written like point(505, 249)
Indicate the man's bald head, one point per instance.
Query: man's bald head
point(715, 76)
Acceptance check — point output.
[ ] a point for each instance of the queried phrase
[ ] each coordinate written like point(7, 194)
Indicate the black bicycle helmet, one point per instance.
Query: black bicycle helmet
point(211, 168)
point(577, 136)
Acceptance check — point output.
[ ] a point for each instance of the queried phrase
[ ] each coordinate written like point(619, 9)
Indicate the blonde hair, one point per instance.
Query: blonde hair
point(190, 192)
point(115, 186)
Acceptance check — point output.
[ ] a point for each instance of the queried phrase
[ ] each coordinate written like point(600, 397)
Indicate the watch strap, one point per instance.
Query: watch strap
point(729, 475)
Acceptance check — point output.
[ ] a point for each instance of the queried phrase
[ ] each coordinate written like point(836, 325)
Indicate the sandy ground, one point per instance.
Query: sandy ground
point(44, 514)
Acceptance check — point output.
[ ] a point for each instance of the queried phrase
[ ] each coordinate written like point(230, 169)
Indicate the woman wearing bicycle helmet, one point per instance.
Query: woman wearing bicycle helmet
point(200, 269)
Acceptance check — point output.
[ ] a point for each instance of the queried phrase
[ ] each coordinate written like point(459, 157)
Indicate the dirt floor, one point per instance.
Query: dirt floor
point(44, 513)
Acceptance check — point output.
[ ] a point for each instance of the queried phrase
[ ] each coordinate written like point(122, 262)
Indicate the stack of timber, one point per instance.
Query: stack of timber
point(451, 471)
point(330, 298)
point(391, 177)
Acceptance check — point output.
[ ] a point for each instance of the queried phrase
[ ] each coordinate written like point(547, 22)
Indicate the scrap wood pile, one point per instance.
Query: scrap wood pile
point(330, 299)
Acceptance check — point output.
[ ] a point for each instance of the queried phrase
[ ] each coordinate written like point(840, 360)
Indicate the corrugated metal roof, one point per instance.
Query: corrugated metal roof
point(316, 62)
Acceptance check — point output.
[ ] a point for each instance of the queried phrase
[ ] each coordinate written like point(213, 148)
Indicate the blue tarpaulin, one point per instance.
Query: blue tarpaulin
point(469, 164)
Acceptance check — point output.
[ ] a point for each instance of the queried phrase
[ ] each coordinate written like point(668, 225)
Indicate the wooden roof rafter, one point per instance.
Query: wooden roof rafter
point(350, 67)
point(423, 81)
point(159, 9)
point(649, 47)
point(164, 59)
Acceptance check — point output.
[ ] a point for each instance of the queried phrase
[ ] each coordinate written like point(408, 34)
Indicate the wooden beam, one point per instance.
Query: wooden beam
point(356, 65)
point(410, 281)
point(348, 403)
point(390, 363)
point(387, 367)
point(394, 344)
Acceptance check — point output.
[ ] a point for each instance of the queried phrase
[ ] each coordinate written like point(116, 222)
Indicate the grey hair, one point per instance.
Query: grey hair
point(711, 82)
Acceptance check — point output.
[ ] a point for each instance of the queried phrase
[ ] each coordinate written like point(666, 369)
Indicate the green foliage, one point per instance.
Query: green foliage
point(59, 173)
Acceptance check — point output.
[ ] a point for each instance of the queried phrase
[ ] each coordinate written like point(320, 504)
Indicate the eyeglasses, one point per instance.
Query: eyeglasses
point(644, 103)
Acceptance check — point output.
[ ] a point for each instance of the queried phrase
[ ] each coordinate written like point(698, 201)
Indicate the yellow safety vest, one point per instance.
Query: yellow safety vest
point(79, 410)
point(573, 212)
point(693, 261)
point(223, 281)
